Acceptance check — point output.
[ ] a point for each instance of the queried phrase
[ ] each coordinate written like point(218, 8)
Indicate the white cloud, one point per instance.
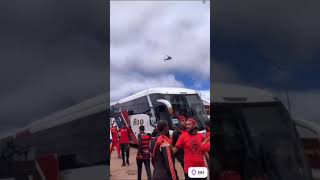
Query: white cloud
point(142, 33)
point(125, 85)
point(205, 94)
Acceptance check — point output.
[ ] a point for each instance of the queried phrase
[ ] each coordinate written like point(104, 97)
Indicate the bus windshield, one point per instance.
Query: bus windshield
point(186, 105)
point(275, 139)
point(264, 135)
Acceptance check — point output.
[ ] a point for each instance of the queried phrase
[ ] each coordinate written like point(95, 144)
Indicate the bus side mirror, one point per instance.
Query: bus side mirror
point(168, 105)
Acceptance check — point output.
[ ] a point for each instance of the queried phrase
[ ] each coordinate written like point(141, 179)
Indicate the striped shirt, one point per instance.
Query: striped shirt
point(163, 160)
point(144, 146)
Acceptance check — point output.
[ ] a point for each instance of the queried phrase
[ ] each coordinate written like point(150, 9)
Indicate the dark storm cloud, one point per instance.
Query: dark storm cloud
point(53, 54)
point(271, 44)
point(283, 32)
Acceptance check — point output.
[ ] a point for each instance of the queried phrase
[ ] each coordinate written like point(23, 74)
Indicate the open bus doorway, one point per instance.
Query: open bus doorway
point(179, 104)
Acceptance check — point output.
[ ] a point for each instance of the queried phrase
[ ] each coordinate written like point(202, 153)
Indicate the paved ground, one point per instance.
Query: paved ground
point(130, 172)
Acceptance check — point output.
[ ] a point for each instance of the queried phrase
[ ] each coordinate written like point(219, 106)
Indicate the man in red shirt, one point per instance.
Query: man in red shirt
point(115, 140)
point(191, 143)
point(124, 143)
point(180, 129)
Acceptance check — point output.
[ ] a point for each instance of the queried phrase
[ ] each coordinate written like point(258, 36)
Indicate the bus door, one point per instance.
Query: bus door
point(228, 142)
point(163, 111)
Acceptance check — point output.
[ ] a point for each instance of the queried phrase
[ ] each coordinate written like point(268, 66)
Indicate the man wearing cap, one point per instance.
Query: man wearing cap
point(175, 136)
point(191, 143)
point(124, 143)
point(115, 141)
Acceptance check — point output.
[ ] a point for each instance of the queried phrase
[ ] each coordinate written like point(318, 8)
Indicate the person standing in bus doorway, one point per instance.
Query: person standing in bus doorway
point(191, 143)
point(124, 143)
point(143, 155)
point(162, 156)
point(180, 129)
point(115, 140)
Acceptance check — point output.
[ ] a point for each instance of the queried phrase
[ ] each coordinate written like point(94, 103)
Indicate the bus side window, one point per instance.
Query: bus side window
point(131, 112)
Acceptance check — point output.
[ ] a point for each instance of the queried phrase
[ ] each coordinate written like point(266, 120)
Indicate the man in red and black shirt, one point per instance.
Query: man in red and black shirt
point(143, 155)
point(162, 157)
point(191, 143)
point(115, 140)
point(124, 143)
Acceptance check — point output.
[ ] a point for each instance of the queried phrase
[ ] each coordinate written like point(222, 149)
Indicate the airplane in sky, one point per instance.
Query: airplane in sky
point(167, 58)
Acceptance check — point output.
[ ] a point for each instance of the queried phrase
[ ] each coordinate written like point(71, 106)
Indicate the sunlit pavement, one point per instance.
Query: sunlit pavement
point(130, 172)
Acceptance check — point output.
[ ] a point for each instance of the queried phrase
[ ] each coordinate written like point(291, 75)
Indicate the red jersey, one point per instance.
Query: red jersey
point(124, 136)
point(144, 146)
point(193, 155)
point(207, 135)
point(184, 131)
point(205, 147)
point(114, 133)
point(162, 159)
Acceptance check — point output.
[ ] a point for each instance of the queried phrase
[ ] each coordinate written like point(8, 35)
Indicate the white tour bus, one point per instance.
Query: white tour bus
point(76, 135)
point(165, 103)
point(254, 135)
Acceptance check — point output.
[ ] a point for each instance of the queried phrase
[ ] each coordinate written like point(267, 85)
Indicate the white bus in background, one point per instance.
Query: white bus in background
point(165, 103)
point(76, 136)
point(254, 135)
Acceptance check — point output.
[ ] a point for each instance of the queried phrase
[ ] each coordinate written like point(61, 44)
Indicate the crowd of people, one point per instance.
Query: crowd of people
point(189, 147)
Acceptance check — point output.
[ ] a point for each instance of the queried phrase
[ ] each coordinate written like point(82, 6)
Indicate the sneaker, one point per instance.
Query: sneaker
point(123, 164)
point(128, 162)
